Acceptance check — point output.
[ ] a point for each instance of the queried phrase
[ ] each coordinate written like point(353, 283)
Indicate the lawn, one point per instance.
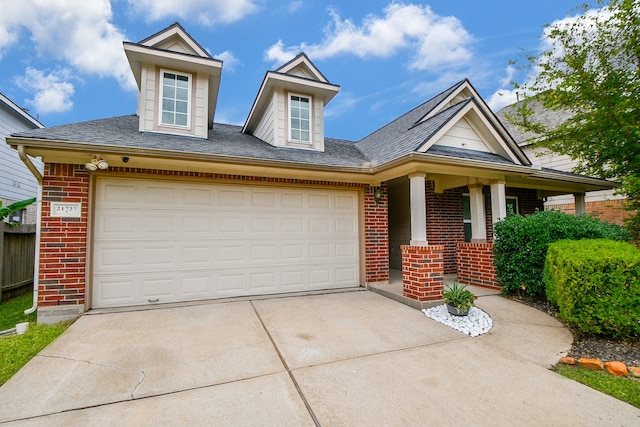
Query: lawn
point(17, 350)
point(12, 311)
point(625, 389)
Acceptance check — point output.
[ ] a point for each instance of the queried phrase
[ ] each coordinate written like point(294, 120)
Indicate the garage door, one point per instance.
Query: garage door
point(164, 241)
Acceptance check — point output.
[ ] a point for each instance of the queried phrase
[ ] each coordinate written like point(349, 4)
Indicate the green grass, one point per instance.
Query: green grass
point(12, 311)
point(17, 350)
point(625, 389)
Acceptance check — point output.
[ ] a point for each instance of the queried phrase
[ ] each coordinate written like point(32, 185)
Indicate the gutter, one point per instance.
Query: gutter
point(36, 264)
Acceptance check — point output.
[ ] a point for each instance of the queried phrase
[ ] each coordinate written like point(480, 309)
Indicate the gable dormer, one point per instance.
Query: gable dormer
point(178, 83)
point(289, 108)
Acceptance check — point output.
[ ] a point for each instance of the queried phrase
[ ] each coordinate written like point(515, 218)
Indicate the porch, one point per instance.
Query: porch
point(394, 290)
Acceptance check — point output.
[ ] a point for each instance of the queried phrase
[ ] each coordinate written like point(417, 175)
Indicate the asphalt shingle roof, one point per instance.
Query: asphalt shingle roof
point(402, 136)
point(223, 140)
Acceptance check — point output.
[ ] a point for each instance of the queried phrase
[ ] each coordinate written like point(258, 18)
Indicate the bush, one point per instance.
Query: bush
point(596, 286)
point(521, 245)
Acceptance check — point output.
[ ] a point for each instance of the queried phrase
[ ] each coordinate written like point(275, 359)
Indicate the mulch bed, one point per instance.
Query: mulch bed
point(590, 346)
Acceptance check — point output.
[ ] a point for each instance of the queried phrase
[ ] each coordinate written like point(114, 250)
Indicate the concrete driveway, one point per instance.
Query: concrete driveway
point(343, 358)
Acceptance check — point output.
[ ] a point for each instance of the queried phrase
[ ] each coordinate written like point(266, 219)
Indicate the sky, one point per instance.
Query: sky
point(63, 59)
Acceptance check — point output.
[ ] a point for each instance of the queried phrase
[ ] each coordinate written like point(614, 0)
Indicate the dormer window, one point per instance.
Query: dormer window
point(299, 118)
point(175, 99)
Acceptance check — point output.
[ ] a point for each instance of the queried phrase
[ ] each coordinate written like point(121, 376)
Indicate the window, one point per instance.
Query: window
point(175, 95)
point(466, 214)
point(299, 118)
point(512, 208)
point(18, 216)
point(512, 205)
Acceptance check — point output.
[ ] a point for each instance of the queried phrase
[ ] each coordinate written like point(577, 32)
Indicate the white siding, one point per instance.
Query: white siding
point(266, 126)
point(199, 98)
point(462, 135)
point(552, 161)
point(318, 124)
point(16, 182)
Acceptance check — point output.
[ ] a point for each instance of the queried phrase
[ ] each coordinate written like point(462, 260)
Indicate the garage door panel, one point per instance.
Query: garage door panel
point(177, 241)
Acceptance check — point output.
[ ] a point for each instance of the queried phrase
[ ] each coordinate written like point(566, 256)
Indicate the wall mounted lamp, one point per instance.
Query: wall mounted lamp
point(377, 194)
point(96, 163)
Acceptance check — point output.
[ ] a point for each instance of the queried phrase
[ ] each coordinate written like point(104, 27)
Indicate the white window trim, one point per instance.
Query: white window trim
point(300, 141)
point(161, 93)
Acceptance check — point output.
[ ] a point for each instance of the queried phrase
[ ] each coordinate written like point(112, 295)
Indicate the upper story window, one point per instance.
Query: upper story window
point(175, 97)
point(299, 118)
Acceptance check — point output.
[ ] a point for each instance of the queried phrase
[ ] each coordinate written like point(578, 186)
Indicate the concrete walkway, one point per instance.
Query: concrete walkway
point(342, 358)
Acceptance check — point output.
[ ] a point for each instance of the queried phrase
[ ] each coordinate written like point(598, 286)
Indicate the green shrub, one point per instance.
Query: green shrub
point(596, 286)
point(521, 245)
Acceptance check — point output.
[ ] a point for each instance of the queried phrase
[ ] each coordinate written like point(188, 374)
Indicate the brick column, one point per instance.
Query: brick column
point(423, 272)
point(376, 236)
point(475, 264)
point(63, 245)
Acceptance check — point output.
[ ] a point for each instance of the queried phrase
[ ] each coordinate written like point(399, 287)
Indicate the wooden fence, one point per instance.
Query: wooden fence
point(17, 252)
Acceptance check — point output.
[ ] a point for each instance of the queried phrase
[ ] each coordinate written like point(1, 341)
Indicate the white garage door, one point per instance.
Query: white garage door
point(167, 241)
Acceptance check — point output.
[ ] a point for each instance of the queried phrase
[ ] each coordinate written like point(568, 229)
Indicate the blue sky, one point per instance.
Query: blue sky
point(63, 59)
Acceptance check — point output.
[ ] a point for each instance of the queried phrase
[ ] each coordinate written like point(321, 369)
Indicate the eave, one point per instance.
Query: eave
point(446, 172)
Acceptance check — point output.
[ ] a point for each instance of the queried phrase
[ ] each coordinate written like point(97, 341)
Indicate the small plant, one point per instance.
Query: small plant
point(458, 297)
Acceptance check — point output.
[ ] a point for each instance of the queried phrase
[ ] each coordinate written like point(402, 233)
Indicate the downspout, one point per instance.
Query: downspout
point(36, 266)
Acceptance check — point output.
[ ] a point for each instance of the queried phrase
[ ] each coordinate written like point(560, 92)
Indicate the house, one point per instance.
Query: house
point(16, 182)
point(603, 204)
point(167, 206)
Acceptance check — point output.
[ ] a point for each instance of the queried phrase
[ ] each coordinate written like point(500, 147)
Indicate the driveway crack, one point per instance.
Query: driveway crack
point(144, 375)
point(82, 361)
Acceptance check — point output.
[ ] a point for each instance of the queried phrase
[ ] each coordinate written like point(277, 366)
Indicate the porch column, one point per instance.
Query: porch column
point(418, 209)
point(581, 206)
point(498, 201)
point(478, 221)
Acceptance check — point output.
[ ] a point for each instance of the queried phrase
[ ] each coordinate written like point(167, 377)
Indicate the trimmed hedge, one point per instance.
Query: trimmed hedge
point(596, 285)
point(521, 245)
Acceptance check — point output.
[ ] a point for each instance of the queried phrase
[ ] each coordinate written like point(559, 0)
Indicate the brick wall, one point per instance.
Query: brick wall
point(475, 264)
point(63, 253)
point(445, 222)
point(423, 272)
point(376, 231)
point(612, 211)
point(528, 200)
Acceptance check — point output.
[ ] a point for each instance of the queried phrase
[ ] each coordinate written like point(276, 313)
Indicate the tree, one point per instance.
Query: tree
point(592, 68)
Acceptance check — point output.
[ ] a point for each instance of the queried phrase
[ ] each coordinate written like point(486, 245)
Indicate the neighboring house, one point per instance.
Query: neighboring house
point(16, 182)
point(167, 206)
point(602, 204)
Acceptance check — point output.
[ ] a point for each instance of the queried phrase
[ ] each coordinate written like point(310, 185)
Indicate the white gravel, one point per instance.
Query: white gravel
point(477, 322)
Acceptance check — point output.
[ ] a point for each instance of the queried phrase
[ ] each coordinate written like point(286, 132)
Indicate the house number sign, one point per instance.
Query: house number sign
point(66, 210)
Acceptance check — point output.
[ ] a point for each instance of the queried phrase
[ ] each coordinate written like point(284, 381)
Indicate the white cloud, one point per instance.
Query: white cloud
point(507, 95)
point(436, 40)
point(206, 12)
point(294, 6)
point(230, 62)
point(78, 32)
point(503, 98)
point(52, 92)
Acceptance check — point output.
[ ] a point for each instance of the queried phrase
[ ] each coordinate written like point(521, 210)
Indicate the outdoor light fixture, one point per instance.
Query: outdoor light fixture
point(377, 194)
point(96, 163)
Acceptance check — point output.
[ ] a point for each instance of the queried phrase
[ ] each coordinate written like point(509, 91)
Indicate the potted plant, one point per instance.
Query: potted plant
point(458, 299)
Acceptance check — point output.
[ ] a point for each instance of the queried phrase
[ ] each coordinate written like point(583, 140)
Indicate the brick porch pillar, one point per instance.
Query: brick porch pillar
point(423, 272)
